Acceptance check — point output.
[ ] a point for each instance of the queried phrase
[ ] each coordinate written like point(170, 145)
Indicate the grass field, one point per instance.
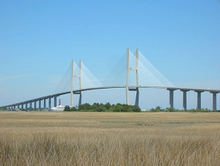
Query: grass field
point(92, 138)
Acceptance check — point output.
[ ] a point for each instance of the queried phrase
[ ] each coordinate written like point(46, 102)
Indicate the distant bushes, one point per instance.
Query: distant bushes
point(3, 108)
point(67, 108)
point(159, 109)
point(99, 107)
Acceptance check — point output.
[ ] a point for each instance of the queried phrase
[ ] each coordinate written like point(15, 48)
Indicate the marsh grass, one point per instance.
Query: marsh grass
point(109, 139)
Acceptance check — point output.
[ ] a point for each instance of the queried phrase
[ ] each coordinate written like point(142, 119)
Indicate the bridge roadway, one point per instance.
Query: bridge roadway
point(171, 95)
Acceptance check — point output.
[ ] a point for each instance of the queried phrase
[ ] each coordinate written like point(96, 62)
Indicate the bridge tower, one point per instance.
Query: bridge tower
point(80, 84)
point(137, 78)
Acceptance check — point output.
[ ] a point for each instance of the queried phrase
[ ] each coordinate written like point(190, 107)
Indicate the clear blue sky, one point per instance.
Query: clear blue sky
point(38, 39)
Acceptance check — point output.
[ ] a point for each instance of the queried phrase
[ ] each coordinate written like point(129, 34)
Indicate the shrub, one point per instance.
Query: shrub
point(73, 109)
point(100, 109)
point(107, 106)
point(117, 108)
point(3, 108)
point(85, 106)
point(67, 108)
point(95, 105)
point(135, 108)
point(170, 109)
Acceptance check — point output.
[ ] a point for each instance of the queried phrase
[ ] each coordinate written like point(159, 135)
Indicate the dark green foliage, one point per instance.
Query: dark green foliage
point(100, 109)
point(95, 106)
point(3, 108)
point(85, 106)
point(136, 108)
point(108, 107)
point(117, 108)
point(73, 109)
point(199, 110)
point(67, 108)
point(159, 109)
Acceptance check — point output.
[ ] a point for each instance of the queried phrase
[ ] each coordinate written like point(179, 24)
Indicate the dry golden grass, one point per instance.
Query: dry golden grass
point(49, 138)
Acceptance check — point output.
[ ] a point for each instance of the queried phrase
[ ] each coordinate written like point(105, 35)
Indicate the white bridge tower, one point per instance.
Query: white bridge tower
point(80, 84)
point(137, 78)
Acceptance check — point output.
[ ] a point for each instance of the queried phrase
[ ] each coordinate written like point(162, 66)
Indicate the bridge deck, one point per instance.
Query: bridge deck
point(111, 87)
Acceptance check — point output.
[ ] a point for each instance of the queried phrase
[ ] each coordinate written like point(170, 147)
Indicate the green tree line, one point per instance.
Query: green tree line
point(159, 109)
point(99, 107)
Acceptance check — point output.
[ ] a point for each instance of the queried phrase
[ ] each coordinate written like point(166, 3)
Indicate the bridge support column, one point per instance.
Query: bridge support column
point(35, 105)
point(22, 106)
point(49, 102)
point(39, 102)
point(44, 103)
point(137, 97)
point(184, 98)
point(171, 90)
point(26, 106)
point(214, 100)
point(80, 99)
point(30, 105)
point(199, 98)
point(55, 101)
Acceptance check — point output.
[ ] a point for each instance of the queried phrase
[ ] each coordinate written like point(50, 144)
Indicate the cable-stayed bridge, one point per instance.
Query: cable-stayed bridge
point(131, 73)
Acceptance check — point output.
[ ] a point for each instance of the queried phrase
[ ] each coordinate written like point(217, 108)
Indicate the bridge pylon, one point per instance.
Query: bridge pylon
point(80, 84)
point(137, 78)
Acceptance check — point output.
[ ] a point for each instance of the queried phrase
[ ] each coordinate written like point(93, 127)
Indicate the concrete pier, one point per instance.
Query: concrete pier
point(80, 99)
point(30, 105)
point(214, 100)
point(22, 107)
point(55, 101)
point(198, 98)
point(35, 105)
point(137, 97)
point(184, 98)
point(26, 107)
point(49, 102)
point(171, 101)
point(44, 103)
point(39, 102)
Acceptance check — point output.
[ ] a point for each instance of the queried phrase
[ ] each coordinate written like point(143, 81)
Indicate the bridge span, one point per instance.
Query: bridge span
point(131, 88)
point(140, 71)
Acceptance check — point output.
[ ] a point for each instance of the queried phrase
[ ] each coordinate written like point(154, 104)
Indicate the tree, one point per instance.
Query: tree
point(100, 109)
point(136, 108)
point(67, 108)
point(85, 106)
point(73, 109)
point(3, 108)
point(107, 106)
point(117, 108)
point(95, 106)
